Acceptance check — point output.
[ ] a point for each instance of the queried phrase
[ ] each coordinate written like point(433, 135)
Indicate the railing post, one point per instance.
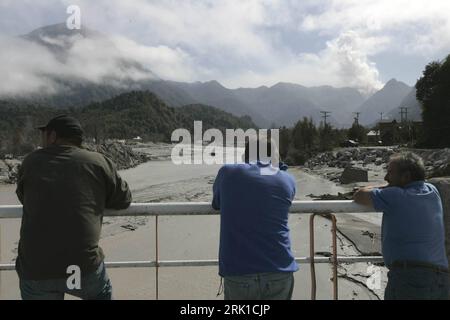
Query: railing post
point(157, 259)
point(1, 259)
point(312, 254)
point(335, 262)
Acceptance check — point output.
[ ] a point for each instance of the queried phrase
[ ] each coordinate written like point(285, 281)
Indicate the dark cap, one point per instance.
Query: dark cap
point(64, 126)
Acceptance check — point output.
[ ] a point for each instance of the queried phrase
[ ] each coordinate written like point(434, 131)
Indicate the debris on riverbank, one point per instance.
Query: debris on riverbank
point(332, 164)
point(123, 155)
point(9, 169)
point(339, 196)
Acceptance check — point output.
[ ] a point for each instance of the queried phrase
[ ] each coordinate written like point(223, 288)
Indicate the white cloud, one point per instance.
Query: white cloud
point(228, 41)
point(343, 63)
point(167, 63)
point(238, 42)
point(23, 66)
point(421, 26)
point(29, 67)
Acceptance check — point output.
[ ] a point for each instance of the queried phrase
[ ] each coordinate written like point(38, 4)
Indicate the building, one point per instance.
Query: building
point(393, 132)
point(389, 132)
point(373, 137)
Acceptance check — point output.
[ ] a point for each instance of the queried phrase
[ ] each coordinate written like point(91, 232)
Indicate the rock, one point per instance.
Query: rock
point(129, 227)
point(352, 174)
point(343, 164)
point(370, 159)
point(378, 162)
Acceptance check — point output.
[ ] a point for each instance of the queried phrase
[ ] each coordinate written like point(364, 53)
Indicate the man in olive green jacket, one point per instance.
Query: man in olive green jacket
point(64, 190)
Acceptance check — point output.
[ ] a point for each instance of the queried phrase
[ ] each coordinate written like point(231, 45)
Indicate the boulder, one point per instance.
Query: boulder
point(352, 174)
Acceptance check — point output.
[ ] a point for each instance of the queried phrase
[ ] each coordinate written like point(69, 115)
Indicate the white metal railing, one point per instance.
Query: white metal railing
point(204, 208)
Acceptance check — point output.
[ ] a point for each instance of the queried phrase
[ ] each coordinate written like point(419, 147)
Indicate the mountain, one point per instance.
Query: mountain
point(128, 115)
point(341, 101)
point(388, 98)
point(89, 67)
point(144, 114)
point(281, 105)
point(214, 94)
point(73, 89)
point(64, 44)
point(212, 117)
point(77, 70)
point(410, 102)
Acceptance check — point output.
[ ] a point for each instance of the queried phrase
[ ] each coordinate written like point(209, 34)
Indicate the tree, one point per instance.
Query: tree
point(285, 141)
point(326, 139)
point(357, 132)
point(434, 94)
point(304, 135)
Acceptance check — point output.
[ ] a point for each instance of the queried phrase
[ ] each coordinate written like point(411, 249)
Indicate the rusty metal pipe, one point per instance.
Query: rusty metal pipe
point(312, 254)
point(156, 259)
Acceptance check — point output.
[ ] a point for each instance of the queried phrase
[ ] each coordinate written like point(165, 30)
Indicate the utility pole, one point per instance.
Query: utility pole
point(325, 116)
point(357, 117)
point(381, 116)
point(404, 114)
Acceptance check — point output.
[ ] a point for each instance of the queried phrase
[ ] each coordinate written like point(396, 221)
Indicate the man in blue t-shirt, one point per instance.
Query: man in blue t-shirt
point(413, 235)
point(255, 257)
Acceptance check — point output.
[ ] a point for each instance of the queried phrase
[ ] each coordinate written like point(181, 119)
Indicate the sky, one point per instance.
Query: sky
point(240, 43)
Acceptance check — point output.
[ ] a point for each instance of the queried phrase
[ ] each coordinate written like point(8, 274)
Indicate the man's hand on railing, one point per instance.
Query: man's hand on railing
point(363, 196)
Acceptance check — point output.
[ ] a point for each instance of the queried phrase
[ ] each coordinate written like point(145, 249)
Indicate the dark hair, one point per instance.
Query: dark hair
point(409, 162)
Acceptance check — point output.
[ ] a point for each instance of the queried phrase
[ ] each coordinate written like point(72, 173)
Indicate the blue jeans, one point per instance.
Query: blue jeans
point(417, 284)
point(262, 286)
point(94, 286)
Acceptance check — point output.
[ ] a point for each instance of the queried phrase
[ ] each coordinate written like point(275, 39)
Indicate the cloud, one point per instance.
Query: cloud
point(343, 63)
point(167, 63)
point(30, 67)
point(346, 59)
point(238, 42)
point(24, 67)
point(415, 26)
point(241, 43)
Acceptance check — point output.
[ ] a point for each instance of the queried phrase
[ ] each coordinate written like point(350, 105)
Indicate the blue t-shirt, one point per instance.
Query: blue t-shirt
point(254, 207)
point(413, 223)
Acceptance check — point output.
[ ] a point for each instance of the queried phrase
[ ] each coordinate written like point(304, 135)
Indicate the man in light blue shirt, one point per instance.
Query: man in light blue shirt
point(413, 234)
point(255, 257)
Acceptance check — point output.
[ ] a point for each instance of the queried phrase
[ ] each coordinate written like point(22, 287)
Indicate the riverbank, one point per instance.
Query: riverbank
point(125, 156)
point(331, 165)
